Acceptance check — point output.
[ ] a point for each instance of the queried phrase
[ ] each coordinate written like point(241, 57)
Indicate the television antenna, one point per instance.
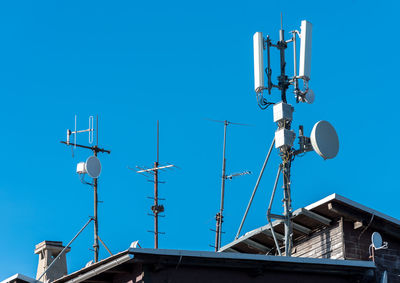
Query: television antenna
point(323, 140)
point(219, 216)
point(92, 167)
point(156, 208)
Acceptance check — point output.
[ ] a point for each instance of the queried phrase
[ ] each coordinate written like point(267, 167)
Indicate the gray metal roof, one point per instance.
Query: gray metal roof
point(19, 277)
point(125, 261)
point(309, 218)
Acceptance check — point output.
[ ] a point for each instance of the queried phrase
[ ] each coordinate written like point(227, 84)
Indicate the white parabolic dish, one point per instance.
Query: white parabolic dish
point(376, 240)
point(93, 166)
point(324, 140)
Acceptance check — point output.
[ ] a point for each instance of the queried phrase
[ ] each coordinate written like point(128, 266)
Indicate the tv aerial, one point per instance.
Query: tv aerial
point(323, 138)
point(219, 216)
point(156, 208)
point(91, 167)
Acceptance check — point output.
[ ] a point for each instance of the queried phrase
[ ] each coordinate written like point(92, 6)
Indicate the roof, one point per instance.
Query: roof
point(312, 217)
point(121, 262)
point(19, 278)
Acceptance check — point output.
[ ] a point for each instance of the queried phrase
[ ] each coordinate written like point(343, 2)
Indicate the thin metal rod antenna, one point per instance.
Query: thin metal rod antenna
point(65, 248)
point(219, 216)
point(97, 130)
point(269, 210)
point(75, 132)
point(155, 210)
point(255, 188)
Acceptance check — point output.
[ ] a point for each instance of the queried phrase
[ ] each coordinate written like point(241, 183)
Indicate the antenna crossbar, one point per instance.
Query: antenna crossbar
point(155, 168)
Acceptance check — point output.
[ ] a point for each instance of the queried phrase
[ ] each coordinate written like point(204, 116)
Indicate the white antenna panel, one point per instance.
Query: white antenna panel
point(258, 45)
point(305, 50)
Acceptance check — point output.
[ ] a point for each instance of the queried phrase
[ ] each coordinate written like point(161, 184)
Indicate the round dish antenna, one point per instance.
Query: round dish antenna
point(324, 140)
point(376, 240)
point(310, 96)
point(384, 277)
point(93, 167)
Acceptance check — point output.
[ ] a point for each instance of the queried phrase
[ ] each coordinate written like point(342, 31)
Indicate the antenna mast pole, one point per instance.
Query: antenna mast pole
point(96, 149)
point(155, 207)
point(219, 216)
point(285, 152)
point(96, 220)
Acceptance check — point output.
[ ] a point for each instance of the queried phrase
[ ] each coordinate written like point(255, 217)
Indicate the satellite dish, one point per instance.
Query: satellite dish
point(384, 277)
point(324, 140)
point(310, 96)
point(376, 240)
point(93, 167)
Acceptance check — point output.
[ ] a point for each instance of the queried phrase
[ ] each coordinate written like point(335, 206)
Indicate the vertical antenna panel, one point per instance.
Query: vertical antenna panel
point(258, 45)
point(305, 50)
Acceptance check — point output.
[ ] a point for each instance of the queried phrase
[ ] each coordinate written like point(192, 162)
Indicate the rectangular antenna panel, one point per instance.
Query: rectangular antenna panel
point(305, 50)
point(283, 111)
point(284, 137)
point(258, 45)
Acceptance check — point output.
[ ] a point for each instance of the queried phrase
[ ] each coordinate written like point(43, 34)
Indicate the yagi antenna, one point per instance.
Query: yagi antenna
point(156, 208)
point(90, 130)
point(219, 216)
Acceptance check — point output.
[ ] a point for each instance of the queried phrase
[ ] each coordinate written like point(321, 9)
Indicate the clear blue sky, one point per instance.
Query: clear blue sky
point(133, 62)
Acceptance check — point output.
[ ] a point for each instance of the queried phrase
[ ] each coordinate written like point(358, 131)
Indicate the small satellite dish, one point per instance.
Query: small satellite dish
point(134, 245)
point(376, 240)
point(310, 96)
point(384, 277)
point(324, 140)
point(93, 167)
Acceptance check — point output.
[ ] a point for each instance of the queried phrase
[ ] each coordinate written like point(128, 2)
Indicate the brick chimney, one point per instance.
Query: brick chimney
point(48, 251)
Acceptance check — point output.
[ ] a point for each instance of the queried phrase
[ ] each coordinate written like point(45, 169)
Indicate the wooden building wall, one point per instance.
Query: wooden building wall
point(327, 242)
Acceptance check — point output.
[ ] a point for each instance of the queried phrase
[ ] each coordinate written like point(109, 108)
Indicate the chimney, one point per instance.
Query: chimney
point(48, 251)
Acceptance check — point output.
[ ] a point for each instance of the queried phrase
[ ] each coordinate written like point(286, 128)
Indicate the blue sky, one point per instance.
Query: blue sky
point(133, 62)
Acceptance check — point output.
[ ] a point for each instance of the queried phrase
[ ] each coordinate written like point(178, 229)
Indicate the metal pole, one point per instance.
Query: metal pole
point(295, 61)
point(96, 220)
point(65, 248)
point(255, 187)
point(269, 210)
point(219, 216)
point(108, 250)
point(285, 152)
point(155, 211)
point(287, 208)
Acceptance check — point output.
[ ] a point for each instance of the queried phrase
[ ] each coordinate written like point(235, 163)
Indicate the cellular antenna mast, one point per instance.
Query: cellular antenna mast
point(93, 168)
point(156, 208)
point(219, 216)
point(323, 138)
